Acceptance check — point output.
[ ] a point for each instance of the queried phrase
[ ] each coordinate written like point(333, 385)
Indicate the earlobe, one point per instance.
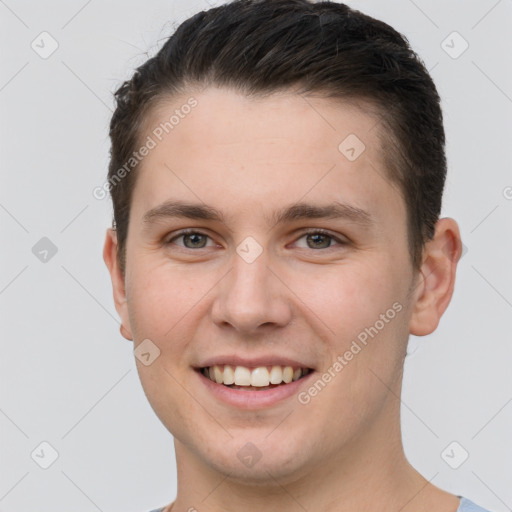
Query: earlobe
point(110, 249)
point(437, 280)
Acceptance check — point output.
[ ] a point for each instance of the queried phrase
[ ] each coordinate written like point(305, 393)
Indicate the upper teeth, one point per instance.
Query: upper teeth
point(258, 377)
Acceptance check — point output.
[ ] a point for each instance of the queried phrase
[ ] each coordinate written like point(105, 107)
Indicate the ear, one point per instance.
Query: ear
point(110, 250)
point(434, 287)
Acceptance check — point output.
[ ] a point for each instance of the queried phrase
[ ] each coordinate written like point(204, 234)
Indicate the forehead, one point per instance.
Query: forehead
point(222, 115)
point(239, 151)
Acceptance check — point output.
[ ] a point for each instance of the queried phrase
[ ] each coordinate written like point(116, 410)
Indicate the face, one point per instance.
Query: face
point(261, 282)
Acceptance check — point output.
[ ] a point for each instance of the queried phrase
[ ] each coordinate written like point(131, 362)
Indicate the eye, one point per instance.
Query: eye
point(320, 239)
point(316, 239)
point(192, 239)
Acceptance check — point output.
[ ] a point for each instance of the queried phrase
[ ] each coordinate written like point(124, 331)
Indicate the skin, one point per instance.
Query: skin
point(249, 158)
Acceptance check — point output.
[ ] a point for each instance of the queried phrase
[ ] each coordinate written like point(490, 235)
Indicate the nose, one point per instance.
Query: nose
point(252, 297)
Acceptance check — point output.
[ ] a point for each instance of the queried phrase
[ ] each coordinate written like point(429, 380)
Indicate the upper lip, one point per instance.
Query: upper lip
point(253, 362)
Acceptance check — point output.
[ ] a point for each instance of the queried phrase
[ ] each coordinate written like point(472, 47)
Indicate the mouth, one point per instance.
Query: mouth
point(260, 378)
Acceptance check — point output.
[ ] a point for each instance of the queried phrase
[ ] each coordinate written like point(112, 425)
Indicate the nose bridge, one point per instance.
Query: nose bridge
point(251, 295)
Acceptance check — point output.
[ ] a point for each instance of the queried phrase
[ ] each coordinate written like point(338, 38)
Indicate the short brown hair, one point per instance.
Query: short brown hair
point(259, 47)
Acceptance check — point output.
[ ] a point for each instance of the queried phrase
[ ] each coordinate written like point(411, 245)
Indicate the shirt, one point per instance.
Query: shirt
point(465, 506)
point(468, 506)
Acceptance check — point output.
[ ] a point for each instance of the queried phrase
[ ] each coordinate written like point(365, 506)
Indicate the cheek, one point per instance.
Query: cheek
point(167, 305)
point(160, 298)
point(349, 298)
point(365, 312)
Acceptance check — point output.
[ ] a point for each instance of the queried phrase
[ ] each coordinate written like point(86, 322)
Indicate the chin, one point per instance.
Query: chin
point(261, 459)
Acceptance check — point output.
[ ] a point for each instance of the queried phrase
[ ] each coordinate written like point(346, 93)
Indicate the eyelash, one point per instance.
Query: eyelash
point(317, 231)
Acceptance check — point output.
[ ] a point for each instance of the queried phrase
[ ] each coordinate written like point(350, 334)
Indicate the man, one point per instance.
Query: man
point(277, 173)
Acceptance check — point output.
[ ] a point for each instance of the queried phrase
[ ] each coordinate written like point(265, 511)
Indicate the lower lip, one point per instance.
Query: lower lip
point(254, 399)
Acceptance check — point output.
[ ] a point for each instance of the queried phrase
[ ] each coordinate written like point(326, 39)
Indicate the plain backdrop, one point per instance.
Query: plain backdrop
point(68, 378)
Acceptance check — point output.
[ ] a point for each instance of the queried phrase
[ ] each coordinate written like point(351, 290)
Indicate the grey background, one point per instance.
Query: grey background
point(68, 378)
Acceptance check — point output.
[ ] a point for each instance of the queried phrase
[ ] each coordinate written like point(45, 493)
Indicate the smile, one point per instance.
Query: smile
point(259, 378)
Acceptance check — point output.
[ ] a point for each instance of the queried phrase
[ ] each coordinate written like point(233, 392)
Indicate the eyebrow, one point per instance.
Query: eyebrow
point(298, 211)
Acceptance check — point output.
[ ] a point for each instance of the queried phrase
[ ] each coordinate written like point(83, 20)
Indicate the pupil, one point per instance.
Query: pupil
point(195, 237)
point(320, 236)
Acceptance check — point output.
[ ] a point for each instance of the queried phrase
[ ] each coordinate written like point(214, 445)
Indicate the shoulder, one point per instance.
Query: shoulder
point(468, 506)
